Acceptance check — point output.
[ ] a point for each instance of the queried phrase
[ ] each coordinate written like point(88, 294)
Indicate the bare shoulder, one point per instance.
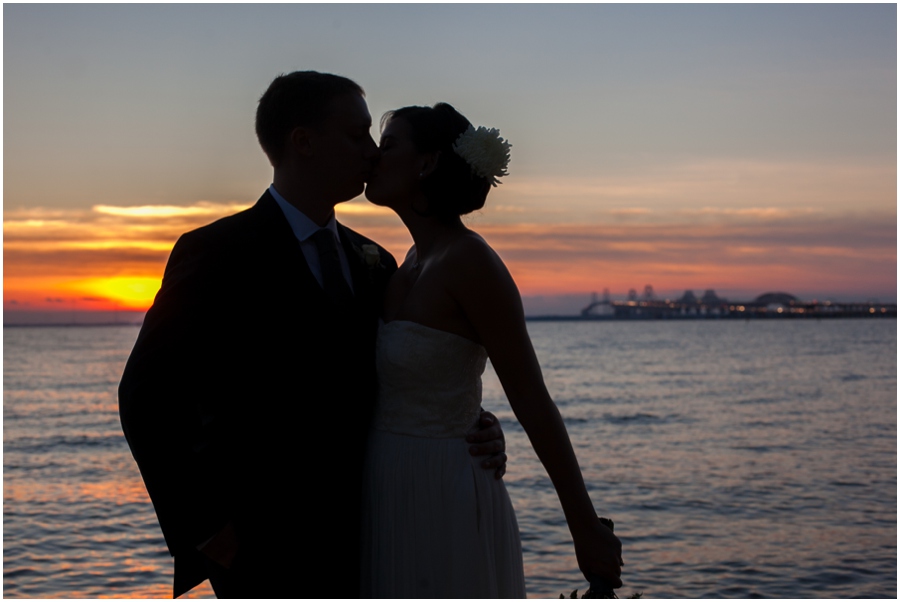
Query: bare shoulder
point(486, 295)
point(472, 254)
point(475, 267)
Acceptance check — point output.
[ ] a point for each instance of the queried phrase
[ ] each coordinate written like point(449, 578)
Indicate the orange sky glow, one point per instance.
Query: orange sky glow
point(112, 258)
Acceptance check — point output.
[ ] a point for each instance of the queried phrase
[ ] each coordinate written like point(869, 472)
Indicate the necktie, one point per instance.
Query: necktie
point(333, 280)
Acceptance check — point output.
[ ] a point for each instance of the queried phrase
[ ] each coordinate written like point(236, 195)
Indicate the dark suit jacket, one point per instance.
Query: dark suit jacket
point(248, 397)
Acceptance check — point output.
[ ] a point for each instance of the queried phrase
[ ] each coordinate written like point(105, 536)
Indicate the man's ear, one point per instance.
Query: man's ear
point(429, 163)
point(300, 141)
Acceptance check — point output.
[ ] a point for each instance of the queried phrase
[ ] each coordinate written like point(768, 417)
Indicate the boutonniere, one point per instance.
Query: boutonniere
point(370, 256)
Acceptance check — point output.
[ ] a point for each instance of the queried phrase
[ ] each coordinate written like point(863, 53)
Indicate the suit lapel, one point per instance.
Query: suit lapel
point(359, 272)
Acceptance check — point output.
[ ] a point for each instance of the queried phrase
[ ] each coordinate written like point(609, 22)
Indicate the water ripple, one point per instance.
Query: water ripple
point(764, 467)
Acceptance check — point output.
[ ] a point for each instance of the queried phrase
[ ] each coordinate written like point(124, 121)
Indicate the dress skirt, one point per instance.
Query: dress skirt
point(436, 524)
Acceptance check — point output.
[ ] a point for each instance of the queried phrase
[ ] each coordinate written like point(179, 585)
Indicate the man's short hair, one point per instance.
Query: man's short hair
point(297, 99)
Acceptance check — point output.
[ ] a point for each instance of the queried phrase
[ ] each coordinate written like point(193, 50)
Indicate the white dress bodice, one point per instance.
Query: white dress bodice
point(429, 381)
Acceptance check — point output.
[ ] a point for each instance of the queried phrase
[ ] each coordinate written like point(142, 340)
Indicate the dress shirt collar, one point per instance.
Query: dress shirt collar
point(302, 226)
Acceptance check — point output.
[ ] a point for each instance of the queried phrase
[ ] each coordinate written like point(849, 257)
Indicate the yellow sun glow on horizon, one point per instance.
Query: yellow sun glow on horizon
point(127, 292)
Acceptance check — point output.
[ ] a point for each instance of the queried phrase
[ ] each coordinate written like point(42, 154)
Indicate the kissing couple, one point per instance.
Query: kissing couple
point(305, 414)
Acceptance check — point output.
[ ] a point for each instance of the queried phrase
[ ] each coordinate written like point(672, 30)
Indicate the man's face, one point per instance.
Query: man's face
point(343, 151)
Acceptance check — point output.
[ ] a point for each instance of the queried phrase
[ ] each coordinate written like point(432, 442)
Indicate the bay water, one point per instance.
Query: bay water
point(738, 459)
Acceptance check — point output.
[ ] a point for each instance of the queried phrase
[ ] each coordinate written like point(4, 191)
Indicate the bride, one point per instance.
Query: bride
point(435, 524)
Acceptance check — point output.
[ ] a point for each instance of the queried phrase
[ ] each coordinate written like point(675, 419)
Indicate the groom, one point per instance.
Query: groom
point(249, 392)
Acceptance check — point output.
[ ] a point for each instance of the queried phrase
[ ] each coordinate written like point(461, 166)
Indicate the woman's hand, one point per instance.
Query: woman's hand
point(599, 554)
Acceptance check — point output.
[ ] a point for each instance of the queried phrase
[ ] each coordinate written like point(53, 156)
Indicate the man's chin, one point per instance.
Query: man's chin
point(349, 195)
point(373, 198)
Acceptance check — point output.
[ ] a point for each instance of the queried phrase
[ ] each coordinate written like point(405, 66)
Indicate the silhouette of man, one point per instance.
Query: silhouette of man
point(261, 340)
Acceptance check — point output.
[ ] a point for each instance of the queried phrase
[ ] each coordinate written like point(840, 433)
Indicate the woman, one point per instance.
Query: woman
point(435, 525)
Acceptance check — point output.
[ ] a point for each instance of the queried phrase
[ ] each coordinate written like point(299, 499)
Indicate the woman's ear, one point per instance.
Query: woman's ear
point(429, 163)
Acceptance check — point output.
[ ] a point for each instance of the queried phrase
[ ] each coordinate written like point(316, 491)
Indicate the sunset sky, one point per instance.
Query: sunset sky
point(741, 148)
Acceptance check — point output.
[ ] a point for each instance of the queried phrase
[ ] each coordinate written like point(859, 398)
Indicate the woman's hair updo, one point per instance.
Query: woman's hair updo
point(451, 189)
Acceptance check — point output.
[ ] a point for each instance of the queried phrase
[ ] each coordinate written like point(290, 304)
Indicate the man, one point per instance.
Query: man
point(259, 340)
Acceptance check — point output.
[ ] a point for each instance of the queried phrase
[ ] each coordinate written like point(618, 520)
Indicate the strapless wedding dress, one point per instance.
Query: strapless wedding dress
point(436, 524)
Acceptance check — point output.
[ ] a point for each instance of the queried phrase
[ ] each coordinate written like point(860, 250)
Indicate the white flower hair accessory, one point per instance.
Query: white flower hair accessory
point(485, 152)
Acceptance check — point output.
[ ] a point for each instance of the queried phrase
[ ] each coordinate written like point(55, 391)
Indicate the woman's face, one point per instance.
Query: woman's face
point(395, 179)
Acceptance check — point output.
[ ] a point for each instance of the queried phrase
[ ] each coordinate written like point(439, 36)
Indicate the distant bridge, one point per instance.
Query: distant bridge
point(769, 305)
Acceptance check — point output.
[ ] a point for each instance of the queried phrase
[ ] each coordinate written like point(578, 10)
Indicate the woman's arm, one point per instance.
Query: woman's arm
point(490, 301)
